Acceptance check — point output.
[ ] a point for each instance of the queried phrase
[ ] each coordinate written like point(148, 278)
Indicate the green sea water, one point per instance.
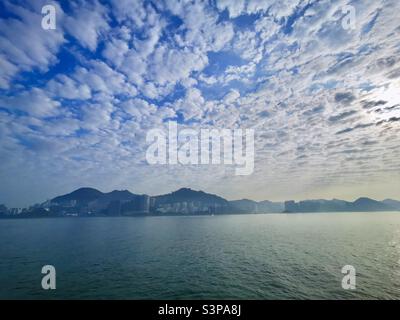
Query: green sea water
point(268, 256)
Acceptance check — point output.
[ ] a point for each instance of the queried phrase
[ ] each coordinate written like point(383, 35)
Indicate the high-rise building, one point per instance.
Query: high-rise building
point(144, 203)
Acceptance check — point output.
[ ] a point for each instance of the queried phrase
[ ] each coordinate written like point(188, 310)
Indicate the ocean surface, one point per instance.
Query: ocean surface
point(268, 256)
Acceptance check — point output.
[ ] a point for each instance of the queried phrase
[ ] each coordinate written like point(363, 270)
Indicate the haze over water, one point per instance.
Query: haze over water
point(268, 256)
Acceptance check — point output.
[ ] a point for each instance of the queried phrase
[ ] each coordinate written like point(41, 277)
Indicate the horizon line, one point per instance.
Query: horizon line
point(189, 188)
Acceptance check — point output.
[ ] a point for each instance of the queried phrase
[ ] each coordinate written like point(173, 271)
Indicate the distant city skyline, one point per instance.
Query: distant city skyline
point(90, 202)
point(320, 91)
point(49, 199)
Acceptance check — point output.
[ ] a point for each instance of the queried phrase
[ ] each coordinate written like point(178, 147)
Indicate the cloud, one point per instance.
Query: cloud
point(344, 97)
point(235, 8)
point(64, 87)
point(231, 97)
point(192, 106)
point(171, 65)
point(342, 116)
point(87, 23)
point(76, 103)
point(34, 102)
point(24, 45)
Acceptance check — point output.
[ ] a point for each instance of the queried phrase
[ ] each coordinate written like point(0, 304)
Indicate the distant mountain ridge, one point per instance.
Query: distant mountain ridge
point(393, 203)
point(251, 206)
point(92, 202)
point(81, 195)
point(87, 196)
point(200, 198)
point(335, 205)
point(187, 194)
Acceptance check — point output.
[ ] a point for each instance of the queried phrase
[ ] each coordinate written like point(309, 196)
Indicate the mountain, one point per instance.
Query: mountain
point(81, 196)
point(270, 207)
point(188, 201)
point(92, 202)
point(116, 195)
point(244, 205)
point(106, 199)
point(392, 203)
point(189, 195)
point(206, 202)
point(360, 205)
point(250, 206)
point(367, 204)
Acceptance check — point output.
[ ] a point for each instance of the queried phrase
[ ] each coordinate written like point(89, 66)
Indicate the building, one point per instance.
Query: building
point(3, 209)
point(140, 205)
point(114, 208)
point(144, 203)
point(291, 206)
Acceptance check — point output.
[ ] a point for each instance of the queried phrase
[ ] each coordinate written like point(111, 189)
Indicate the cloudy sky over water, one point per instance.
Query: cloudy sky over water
point(76, 102)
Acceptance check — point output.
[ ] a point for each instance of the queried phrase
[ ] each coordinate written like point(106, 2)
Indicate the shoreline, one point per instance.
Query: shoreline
point(189, 215)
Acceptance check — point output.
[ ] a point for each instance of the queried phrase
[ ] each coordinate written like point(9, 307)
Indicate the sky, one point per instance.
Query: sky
point(77, 102)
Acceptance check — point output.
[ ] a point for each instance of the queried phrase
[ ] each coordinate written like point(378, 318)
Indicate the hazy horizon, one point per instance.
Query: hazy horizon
point(186, 187)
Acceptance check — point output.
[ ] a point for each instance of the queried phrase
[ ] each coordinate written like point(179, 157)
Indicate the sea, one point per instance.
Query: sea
point(253, 256)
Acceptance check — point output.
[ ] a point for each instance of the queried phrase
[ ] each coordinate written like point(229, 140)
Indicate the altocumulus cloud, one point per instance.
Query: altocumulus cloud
point(76, 102)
